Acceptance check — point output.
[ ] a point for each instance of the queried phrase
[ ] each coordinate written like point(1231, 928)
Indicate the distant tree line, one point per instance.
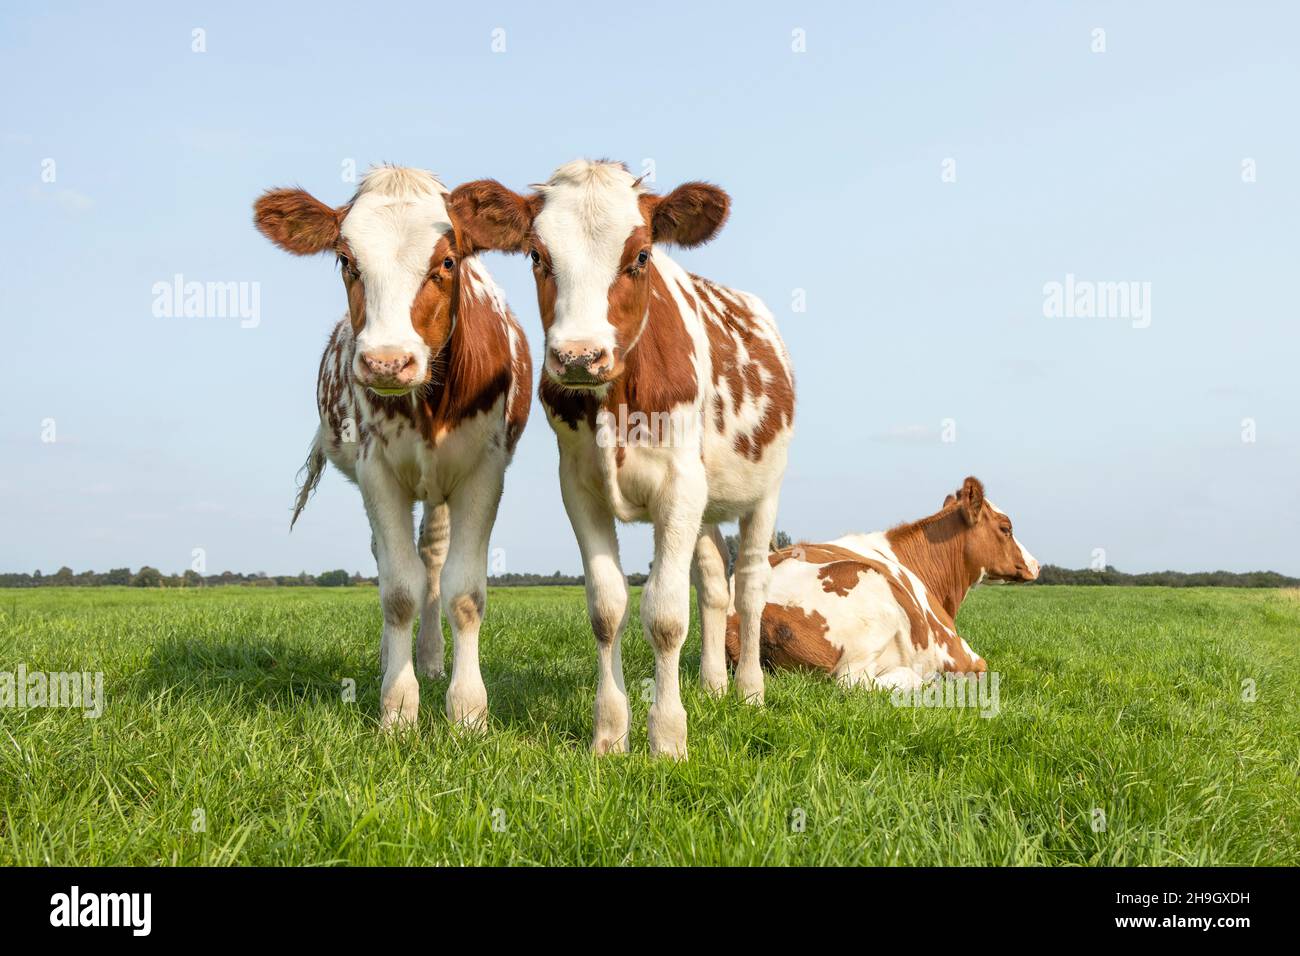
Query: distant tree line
point(1051, 574)
point(150, 577)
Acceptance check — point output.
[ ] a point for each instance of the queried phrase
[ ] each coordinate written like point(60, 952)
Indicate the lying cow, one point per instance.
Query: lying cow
point(879, 609)
point(423, 391)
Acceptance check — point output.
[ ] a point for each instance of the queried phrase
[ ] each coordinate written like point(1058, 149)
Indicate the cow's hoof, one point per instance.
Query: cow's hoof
point(714, 686)
point(399, 703)
point(752, 695)
point(429, 655)
point(675, 751)
point(467, 707)
point(393, 719)
point(668, 732)
point(609, 745)
point(432, 670)
point(610, 719)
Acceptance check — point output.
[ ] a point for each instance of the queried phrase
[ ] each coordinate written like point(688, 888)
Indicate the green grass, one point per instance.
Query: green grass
point(228, 701)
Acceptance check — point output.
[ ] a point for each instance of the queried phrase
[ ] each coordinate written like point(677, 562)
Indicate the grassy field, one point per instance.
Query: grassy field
point(224, 708)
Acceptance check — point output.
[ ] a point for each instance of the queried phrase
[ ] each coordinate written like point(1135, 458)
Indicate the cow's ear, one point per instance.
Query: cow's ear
point(689, 215)
point(491, 217)
point(296, 221)
point(949, 502)
point(970, 500)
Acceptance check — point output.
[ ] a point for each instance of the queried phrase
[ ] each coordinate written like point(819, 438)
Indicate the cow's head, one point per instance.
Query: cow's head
point(397, 249)
point(989, 544)
point(590, 232)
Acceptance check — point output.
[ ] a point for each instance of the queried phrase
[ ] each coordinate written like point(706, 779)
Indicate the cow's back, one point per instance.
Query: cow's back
point(746, 392)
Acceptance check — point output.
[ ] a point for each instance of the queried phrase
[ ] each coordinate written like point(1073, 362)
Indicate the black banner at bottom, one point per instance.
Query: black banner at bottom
point(341, 905)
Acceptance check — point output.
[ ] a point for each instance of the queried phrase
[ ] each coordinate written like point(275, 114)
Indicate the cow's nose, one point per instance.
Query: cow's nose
point(580, 360)
point(389, 366)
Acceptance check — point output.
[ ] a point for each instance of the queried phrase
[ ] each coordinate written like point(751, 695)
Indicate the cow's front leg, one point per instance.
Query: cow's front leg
point(666, 606)
point(434, 537)
point(401, 588)
point(753, 575)
point(593, 526)
point(472, 508)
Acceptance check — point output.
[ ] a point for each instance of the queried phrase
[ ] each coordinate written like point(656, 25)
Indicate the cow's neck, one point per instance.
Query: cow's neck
point(658, 369)
point(472, 369)
point(932, 550)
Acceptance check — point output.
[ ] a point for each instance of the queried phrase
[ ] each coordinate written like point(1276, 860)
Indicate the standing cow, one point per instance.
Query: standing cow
point(672, 402)
point(423, 391)
point(880, 609)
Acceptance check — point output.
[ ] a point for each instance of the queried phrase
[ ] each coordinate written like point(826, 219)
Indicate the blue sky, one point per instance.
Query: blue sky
point(924, 297)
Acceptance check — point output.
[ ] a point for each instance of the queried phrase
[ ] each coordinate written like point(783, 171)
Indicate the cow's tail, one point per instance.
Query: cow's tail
point(309, 478)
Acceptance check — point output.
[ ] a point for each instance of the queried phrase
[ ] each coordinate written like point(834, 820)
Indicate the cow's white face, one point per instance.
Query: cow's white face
point(389, 243)
point(396, 248)
point(590, 232)
point(591, 246)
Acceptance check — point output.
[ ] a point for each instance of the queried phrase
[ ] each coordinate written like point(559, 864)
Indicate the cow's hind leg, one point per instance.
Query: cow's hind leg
point(401, 589)
point(709, 575)
point(435, 535)
point(753, 575)
point(666, 608)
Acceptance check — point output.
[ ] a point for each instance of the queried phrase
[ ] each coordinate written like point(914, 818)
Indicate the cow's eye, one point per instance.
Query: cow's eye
point(449, 263)
point(643, 257)
point(1007, 531)
point(536, 257)
point(345, 263)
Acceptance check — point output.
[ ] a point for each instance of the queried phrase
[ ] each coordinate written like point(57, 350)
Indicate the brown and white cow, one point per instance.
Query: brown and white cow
point(423, 391)
point(672, 402)
point(879, 610)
